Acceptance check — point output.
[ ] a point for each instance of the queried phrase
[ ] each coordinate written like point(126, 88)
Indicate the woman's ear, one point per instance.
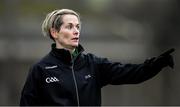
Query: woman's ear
point(53, 33)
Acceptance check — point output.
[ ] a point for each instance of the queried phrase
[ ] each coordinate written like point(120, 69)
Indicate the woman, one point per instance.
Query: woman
point(66, 76)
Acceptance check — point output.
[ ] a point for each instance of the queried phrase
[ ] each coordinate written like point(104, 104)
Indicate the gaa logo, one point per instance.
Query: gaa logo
point(51, 79)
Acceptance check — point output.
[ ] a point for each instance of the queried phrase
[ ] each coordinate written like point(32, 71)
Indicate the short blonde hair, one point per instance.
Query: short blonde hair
point(54, 20)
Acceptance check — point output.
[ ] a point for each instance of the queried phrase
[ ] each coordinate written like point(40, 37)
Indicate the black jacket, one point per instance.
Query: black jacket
point(59, 80)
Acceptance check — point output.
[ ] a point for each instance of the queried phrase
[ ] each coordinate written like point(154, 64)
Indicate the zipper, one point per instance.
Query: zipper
point(75, 81)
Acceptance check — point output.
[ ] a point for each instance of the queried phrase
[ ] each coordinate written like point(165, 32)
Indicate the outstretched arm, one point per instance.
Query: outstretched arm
point(116, 73)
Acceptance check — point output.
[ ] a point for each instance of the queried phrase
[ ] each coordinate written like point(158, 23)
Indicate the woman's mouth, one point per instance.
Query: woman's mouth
point(75, 39)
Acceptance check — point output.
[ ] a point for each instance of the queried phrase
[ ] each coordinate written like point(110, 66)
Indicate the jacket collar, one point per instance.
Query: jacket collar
point(65, 55)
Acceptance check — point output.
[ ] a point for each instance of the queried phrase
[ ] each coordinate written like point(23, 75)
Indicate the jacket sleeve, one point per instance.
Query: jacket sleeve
point(116, 73)
point(30, 91)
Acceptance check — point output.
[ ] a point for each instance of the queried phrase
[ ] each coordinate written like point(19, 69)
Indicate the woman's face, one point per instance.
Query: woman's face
point(68, 36)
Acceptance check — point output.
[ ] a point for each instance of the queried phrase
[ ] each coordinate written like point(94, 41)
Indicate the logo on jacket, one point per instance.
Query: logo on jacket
point(51, 67)
point(88, 76)
point(51, 79)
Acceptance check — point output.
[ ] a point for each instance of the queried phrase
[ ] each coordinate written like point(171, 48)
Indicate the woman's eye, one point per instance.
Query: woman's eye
point(69, 27)
point(77, 27)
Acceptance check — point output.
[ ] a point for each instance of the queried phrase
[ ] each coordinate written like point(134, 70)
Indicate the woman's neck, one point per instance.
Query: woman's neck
point(70, 49)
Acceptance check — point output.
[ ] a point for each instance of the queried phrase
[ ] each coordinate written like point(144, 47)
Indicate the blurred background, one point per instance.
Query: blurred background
point(128, 31)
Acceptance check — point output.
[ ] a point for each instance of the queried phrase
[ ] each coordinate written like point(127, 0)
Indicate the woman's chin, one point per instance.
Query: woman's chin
point(75, 45)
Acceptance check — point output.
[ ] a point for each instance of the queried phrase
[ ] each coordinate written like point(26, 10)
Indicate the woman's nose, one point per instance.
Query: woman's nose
point(76, 31)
